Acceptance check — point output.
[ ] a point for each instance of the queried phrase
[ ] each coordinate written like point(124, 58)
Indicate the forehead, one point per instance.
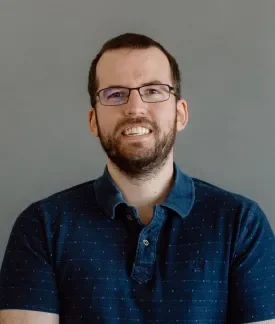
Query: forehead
point(131, 68)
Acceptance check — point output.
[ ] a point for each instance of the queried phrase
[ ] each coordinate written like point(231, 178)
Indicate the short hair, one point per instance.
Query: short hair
point(131, 41)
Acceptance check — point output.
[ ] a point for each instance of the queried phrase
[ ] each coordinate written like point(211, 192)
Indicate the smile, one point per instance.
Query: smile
point(136, 131)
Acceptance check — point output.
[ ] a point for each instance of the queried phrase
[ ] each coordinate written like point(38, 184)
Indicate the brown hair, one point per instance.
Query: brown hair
point(131, 41)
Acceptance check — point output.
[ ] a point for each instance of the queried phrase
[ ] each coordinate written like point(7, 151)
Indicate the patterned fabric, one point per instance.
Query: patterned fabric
point(208, 256)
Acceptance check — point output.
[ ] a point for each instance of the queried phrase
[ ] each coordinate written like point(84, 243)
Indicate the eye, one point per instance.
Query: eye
point(117, 94)
point(151, 91)
point(114, 95)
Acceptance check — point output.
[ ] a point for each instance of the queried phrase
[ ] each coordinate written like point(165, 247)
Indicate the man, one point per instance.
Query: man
point(144, 243)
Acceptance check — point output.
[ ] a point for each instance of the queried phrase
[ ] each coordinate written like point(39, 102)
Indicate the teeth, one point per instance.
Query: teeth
point(136, 131)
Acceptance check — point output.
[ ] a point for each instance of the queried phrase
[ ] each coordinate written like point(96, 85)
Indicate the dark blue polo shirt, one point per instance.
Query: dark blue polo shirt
point(208, 256)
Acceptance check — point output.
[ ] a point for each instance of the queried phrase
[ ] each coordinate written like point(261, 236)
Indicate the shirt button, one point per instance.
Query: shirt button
point(130, 217)
point(146, 242)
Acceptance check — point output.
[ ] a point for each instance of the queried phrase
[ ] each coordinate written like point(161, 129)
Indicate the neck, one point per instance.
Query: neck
point(144, 194)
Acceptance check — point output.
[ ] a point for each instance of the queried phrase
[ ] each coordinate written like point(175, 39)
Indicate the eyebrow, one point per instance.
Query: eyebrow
point(142, 85)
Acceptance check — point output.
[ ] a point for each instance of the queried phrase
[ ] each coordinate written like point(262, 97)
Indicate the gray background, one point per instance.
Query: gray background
point(226, 51)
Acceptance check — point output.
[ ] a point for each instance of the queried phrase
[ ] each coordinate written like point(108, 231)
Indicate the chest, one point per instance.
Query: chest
point(158, 272)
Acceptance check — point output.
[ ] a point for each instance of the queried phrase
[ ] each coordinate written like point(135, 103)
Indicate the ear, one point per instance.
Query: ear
point(182, 114)
point(92, 122)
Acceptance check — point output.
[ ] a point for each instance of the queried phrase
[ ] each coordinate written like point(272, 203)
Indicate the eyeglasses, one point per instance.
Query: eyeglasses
point(149, 93)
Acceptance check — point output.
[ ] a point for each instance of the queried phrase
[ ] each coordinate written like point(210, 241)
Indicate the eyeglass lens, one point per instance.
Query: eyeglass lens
point(150, 93)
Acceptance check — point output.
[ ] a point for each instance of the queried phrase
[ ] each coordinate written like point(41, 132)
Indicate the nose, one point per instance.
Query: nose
point(135, 106)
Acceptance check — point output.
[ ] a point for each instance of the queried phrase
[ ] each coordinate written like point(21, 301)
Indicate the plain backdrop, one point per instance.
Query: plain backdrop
point(226, 52)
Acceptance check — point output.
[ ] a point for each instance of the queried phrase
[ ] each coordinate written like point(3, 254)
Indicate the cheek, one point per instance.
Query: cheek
point(106, 121)
point(165, 118)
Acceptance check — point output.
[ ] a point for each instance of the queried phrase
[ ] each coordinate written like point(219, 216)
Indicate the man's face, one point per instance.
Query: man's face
point(137, 156)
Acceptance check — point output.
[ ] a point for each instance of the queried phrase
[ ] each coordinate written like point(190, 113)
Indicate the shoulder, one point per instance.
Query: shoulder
point(77, 192)
point(206, 192)
point(48, 209)
point(243, 214)
point(229, 206)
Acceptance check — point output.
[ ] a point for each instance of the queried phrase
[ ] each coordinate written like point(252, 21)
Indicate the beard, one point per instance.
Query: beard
point(138, 160)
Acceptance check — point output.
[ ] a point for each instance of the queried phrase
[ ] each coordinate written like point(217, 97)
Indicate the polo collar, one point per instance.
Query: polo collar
point(180, 198)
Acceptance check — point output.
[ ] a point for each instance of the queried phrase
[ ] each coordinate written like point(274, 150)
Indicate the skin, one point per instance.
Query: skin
point(133, 68)
point(16, 316)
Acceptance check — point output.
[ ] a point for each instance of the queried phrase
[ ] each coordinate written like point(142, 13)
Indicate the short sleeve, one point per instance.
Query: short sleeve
point(252, 275)
point(27, 279)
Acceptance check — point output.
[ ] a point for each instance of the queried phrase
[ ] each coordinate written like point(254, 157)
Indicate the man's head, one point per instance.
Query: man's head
point(122, 118)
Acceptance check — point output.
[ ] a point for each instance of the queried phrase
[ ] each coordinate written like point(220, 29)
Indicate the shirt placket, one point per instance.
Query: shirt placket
point(144, 265)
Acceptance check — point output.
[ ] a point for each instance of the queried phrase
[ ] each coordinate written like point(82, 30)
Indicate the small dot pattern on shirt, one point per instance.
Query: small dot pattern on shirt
point(206, 257)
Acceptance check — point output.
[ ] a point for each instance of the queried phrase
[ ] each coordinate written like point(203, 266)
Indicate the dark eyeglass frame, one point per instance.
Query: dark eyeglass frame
point(137, 88)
